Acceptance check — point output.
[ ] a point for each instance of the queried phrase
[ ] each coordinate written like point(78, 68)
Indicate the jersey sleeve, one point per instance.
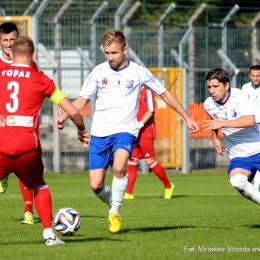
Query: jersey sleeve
point(89, 87)
point(50, 90)
point(151, 82)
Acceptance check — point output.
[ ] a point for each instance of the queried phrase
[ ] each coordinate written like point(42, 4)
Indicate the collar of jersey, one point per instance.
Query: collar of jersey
point(20, 65)
point(254, 86)
point(222, 104)
point(117, 70)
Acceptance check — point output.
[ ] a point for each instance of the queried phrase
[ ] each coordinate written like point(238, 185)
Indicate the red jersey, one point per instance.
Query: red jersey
point(4, 63)
point(146, 103)
point(22, 93)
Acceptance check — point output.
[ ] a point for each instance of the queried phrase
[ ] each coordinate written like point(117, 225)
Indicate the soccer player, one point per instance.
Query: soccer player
point(252, 89)
point(22, 93)
point(116, 84)
point(232, 113)
point(144, 147)
point(8, 32)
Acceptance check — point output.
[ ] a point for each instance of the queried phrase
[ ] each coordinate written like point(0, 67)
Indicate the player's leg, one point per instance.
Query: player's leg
point(240, 182)
point(29, 169)
point(3, 185)
point(119, 185)
point(122, 146)
point(241, 171)
point(28, 203)
point(257, 180)
point(100, 189)
point(147, 145)
point(132, 168)
point(5, 170)
point(99, 157)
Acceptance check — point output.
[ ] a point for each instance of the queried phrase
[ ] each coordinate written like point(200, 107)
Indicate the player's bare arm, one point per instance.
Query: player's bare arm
point(241, 122)
point(173, 102)
point(216, 143)
point(73, 113)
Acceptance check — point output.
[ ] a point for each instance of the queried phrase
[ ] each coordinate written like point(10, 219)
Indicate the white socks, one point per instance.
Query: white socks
point(105, 195)
point(114, 200)
point(118, 192)
point(48, 233)
point(257, 180)
point(240, 182)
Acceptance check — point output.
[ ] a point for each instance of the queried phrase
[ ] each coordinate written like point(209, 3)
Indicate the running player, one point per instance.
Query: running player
point(22, 93)
point(233, 114)
point(8, 32)
point(116, 85)
point(252, 89)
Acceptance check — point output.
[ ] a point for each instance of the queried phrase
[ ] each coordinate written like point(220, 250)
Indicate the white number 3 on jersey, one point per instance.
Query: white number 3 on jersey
point(13, 106)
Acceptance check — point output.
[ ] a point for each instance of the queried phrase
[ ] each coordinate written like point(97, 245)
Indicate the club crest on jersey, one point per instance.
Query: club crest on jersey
point(130, 84)
point(104, 81)
point(2, 121)
point(233, 113)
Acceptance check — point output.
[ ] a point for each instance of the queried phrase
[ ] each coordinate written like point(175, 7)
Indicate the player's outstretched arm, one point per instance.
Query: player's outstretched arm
point(173, 102)
point(72, 112)
point(241, 122)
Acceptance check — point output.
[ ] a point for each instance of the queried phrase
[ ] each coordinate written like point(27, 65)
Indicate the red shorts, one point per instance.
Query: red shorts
point(28, 167)
point(144, 149)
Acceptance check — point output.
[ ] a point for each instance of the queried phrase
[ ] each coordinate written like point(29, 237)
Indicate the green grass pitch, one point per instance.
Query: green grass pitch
point(205, 214)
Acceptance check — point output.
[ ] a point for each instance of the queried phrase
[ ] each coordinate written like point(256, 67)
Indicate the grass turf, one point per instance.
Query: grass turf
point(206, 213)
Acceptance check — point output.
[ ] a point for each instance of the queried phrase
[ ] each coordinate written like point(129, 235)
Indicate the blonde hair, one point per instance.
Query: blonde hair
point(113, 36)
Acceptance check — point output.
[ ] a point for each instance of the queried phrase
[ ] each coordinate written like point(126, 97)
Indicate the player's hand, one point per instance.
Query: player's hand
point(212, 124)
point(218, 148)
point(84, 139)
point(59, 122)
point(192, 125)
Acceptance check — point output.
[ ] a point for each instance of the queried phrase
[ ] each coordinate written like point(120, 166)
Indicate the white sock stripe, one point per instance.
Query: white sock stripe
point(132, 163)
point(41, 187)
point(153, 164)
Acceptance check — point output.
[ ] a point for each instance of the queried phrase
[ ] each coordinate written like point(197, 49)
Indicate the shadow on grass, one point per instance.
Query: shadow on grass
point(67, 239)
point(252, 226)
point(137, 197)
point(155, 229)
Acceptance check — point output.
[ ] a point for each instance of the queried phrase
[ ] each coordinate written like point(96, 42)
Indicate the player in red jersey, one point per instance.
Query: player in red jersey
point(144, 148)
point(8, 32)
point(22, 93)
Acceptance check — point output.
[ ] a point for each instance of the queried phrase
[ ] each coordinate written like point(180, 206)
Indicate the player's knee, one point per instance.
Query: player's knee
point(97, 188)
point(119, 171)
point(239, 181)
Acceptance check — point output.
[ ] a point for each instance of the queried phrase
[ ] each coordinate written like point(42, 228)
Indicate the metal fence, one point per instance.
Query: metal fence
point(196, 38)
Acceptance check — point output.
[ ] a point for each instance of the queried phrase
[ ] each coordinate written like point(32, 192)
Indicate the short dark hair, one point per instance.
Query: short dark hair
point(254, 67)
point(219, 74)
point(8, 27)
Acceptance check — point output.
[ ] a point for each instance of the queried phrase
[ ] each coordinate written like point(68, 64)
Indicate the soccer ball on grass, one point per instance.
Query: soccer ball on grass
point(66, 221)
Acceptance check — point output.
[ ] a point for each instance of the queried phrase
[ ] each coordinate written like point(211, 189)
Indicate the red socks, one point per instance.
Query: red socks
point(27, 197)
point(43, 205)
point(132, 175)
point(160, 173)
